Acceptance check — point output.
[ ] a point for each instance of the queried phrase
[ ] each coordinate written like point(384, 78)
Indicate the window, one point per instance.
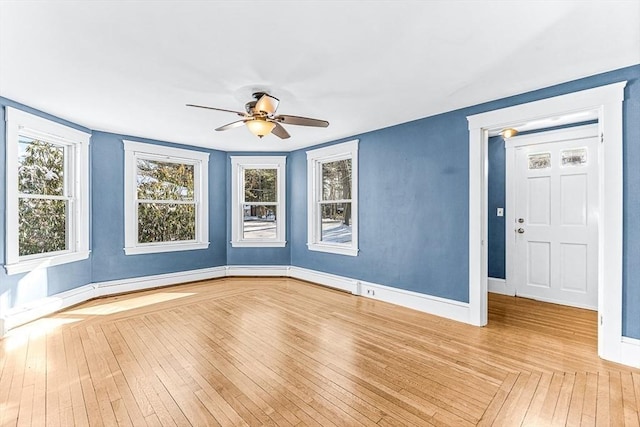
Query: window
point(47, 193)
point(333, 199)
point(258, 201)
point(166, 199)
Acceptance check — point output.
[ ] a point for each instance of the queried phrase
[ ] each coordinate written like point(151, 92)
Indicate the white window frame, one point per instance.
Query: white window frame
point(315, 159)
point(76, 143)
point(200, 161)
point(238, 166)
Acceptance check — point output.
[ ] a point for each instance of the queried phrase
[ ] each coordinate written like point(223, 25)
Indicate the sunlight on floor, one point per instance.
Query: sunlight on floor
point(128, 304)
point(20, 336)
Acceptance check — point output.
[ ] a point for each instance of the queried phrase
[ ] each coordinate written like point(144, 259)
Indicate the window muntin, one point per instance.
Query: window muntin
point(166, 199)
point(258, 188)
point(47, 193)
point(332, 193)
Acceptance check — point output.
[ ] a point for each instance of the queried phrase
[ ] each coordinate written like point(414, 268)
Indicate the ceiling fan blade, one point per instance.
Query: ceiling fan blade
point(231, 125)
point(217, 109)
point(301, 121)
point(279, 131)
point(267, 103)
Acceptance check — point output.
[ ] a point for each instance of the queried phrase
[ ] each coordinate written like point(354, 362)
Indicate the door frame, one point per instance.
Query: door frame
point(511, 145)
point(606, 101)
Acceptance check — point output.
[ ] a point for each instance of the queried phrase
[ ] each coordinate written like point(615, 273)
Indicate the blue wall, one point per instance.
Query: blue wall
point(19, 289)
point(496, 199)
point(108, 259)
point(413, 210)
point(414, 201)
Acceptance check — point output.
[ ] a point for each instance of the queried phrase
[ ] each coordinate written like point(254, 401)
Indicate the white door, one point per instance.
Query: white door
point(556, 217)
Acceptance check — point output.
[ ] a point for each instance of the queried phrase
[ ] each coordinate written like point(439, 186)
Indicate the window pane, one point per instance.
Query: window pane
point(260, 185)
point(41, 226)
point(164, 180)
point(40, 167)
point(539, 161)
point(336, 180)
point(259, 222)
point(574, 157)
point(336, 222)
point(166, 222)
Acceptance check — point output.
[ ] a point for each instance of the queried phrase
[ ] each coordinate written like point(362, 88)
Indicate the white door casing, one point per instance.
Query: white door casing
point(552, 225)
point(607, 102)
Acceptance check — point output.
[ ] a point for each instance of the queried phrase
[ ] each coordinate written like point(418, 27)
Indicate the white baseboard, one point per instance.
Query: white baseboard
point(331, 280)
point(159, 280)
point(49, 305)
point(630, 352)
point(443, 307)
point(45, 306)
point(257, 270)
point(499, 286)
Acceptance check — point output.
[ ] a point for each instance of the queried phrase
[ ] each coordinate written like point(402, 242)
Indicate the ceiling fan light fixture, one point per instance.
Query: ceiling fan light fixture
point(260, 127)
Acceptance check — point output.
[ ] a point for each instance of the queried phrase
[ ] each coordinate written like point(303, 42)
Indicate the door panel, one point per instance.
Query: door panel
point(573, 267)
point(556, 229)
point(539, 203)
point(573, 200)
point(539, 265)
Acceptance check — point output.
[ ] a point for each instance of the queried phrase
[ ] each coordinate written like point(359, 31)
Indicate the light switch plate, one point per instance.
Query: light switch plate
point(500, 212)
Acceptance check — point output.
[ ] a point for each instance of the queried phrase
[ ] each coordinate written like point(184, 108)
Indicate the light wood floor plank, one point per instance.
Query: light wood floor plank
point(281, 352)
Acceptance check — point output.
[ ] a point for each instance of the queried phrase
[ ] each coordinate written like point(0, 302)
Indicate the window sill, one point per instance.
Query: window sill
point(44, 262)
point(333, 249)
point(247, 244)
point(152, 249)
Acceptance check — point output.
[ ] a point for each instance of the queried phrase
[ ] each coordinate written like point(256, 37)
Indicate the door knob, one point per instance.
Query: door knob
point(520, 230)
point(520, 220)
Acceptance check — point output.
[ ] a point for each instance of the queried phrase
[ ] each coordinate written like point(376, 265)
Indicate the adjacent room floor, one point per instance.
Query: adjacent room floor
point(281, 352)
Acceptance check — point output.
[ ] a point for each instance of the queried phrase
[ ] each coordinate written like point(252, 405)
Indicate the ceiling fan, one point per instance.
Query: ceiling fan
point(261, 120)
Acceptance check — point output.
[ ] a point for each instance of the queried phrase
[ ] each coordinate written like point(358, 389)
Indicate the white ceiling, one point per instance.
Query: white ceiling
point(129, 67)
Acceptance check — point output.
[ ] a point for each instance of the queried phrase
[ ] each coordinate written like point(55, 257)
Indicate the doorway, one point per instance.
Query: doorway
point(551, 228)
point(606, 103)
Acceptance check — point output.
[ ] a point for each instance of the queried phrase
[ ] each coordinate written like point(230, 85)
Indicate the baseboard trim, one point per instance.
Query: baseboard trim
point(46, 306)
point(257, 270)
point(156, 281)
point(49, 305)
point(499, 286)
point(630, 348)
point(443, 307)
point(326, 279)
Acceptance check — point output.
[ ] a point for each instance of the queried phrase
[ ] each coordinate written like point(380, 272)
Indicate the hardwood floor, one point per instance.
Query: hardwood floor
point(280, 352)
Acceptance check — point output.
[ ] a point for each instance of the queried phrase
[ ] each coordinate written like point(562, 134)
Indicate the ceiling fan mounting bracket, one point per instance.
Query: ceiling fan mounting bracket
point(258, 95)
